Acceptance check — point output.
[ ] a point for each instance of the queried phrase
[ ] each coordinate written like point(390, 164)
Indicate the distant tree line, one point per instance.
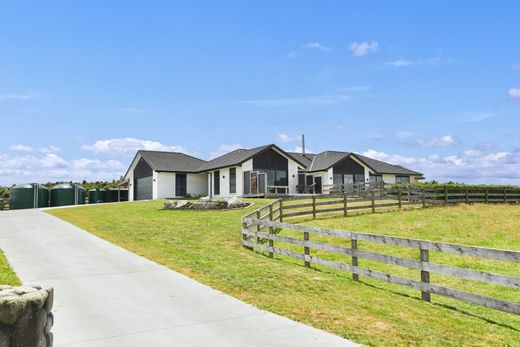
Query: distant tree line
point(5, 191)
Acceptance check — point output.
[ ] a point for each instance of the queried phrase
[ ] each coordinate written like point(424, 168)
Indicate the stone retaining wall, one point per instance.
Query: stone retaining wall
point(25, 316)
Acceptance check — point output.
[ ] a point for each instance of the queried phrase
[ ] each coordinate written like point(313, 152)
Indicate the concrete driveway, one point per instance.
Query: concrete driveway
point(107, 296)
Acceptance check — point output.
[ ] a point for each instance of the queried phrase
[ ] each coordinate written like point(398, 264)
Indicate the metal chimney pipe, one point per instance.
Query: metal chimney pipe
point(303, 144)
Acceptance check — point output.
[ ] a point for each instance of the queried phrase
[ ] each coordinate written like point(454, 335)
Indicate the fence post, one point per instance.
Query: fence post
point(244, 236)
point(423, 196)
point(344, 205)
point(373, 201)
point(313, 207)
point(306, 250)
point(281, 211)
point(505, 195)
point(467, 195)
point(409, 193)
point(446, 195)
point(258, 225)
point(487, 198)
point(353, 244)
point(271, 242)
point(425, 275)
point(399, 194)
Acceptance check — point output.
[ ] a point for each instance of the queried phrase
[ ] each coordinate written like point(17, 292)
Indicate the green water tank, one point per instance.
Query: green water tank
point(66, 194)
point(96, 196)
point(31, 195)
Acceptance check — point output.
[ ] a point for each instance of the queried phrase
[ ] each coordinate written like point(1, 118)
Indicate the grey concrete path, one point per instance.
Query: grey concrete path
point(107, 296)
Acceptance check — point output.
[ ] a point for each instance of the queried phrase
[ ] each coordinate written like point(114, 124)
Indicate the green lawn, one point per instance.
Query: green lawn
point(7, 275)
point(206, 246)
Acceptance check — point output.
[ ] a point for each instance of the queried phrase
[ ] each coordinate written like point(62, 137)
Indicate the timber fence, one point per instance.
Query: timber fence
point(262, 228)
point(374, 197)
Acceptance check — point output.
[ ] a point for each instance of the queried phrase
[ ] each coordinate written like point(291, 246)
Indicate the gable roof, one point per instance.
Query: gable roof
point(169, 161)
point(325, 160)
point(382, 167)
point(305, 159)
point(241, 155)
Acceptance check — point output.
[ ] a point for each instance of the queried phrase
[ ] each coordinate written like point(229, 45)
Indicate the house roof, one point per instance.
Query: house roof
point(171, 161)
point(305, 159)
point(382, 167)
point(325, 160)
point(241, 155)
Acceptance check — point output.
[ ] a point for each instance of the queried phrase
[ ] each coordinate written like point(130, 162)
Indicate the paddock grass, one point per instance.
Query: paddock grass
point(7, 274)
point(206, 245)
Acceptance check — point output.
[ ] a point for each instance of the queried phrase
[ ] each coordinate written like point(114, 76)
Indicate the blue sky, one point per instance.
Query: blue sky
point(434, 87)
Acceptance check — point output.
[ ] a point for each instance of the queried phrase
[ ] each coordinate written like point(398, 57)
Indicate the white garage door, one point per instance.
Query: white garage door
point(143, 188)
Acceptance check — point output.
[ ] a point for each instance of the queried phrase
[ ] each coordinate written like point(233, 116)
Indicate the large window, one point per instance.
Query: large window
point(274, 165)
point(376, 178)
point(180, 184)
point(402, 179)
point(216, 182)
point(232, 180)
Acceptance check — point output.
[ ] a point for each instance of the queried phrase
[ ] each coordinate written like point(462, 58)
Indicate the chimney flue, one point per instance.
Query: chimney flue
point(303, 144)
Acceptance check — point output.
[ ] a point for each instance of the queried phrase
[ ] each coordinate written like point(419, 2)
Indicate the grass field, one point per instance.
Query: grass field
point(7, 275)
point(206, 246)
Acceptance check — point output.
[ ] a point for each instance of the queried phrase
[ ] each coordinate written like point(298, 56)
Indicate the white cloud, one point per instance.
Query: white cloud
point(51, 167)
point(360, 49)
point(223, 149)
point(470, 166)
point(303, 101)
point(405, 62)
point(21, 148)
point(292, 55)
point(514, 93)
point(29, 149)
point(473, 117)
point(129, 146)
point(443, 141)
point(287, 138)
point(18, 96)
point(316, 45)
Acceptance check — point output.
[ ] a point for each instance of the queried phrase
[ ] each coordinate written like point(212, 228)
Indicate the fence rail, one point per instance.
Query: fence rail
point(254, 229)
point(385, 196)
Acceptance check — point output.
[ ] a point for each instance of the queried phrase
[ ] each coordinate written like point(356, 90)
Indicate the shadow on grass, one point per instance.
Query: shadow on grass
point(396, 292)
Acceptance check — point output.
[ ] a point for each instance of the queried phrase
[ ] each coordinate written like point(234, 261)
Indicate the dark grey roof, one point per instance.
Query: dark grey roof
point(240, 156)
point(325, 160)
point(305, 159)
point(171, 161)
point(382, 167)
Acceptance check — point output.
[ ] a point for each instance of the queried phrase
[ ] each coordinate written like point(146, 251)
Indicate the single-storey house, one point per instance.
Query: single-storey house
point(328, 170)
point(161, 175)
point(255, 172)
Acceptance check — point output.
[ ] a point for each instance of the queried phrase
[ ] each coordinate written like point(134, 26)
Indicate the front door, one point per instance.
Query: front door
point(180, 184)
point(317, 182)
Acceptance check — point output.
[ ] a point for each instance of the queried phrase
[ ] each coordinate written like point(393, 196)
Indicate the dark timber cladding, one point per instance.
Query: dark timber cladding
point(348, 166)
point(143, 181)
point(274, 165)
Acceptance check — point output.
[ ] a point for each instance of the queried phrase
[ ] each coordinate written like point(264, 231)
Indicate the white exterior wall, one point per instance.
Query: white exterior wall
point(131, 185)
point(197, 184)
point(240, 181)
point(293, 177)
point(164, 187)
point(367, 174)
point(388, 178)
point(155, 182)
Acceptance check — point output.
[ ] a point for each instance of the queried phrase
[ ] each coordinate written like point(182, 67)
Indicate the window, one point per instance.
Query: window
point(232, 180)
point(216, 182)
point(376, 178)
point(402, 179)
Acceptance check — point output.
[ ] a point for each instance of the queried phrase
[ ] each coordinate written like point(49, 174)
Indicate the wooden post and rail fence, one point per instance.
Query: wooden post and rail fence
point(388, 196)
point(255, 237)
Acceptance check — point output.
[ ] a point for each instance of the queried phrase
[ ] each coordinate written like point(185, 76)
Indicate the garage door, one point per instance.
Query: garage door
point(143, 188)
